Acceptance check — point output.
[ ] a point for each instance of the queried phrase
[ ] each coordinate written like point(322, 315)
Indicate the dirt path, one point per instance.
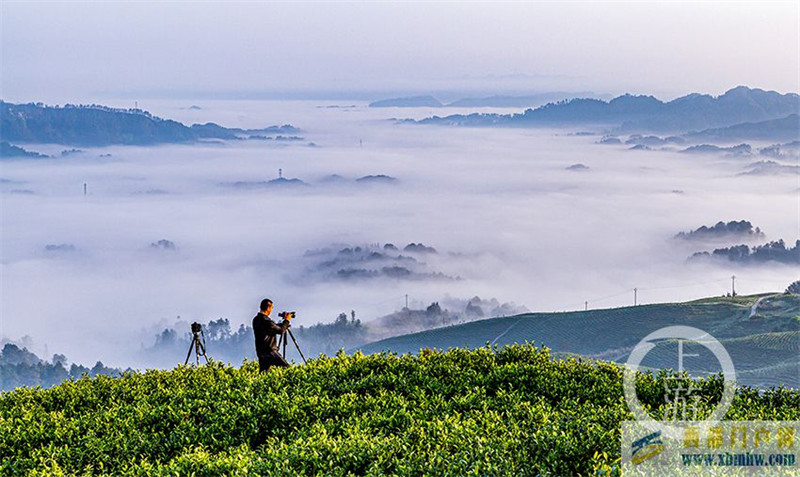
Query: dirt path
point(754, 309)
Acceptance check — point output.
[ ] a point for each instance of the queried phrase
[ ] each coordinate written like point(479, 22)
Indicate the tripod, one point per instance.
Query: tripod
point(283, 341)
point(198, 344)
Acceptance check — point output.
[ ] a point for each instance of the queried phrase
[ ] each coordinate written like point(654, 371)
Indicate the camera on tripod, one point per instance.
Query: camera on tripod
point(287, 315)
point(198, 344)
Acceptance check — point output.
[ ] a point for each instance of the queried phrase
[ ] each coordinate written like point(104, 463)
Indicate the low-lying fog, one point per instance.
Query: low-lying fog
point(499, 206)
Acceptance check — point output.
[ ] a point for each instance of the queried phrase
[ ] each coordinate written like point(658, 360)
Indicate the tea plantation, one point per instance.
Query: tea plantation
point(509, 411)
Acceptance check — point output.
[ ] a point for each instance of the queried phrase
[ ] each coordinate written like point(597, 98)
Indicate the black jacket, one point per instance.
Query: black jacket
point(266, 332)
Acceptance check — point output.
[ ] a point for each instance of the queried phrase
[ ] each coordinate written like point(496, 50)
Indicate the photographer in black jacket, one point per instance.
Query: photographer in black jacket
point(266, 332)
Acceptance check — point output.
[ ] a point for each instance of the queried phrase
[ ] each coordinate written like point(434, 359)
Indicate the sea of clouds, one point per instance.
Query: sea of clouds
point(507, 218)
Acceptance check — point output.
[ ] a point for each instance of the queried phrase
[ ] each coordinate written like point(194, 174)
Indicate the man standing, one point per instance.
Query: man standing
point(266, 332)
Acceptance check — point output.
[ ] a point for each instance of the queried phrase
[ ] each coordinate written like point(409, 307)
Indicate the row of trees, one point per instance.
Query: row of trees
point(771, 252)
point(722, 229)
point(97, 106)
point(20, 367)
point(227, 345)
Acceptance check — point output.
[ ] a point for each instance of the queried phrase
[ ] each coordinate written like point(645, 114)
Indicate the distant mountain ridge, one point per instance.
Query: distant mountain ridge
point(693, 112)
point(10, 150)
point(781, 129)
point(409, 102)
point(497, 101)
point(96, 125)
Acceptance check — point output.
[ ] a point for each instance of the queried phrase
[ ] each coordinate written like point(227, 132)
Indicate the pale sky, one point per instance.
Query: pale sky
point(63, 51)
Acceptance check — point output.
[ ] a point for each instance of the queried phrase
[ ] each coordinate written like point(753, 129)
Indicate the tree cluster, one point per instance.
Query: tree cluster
point(770, 252)
point(794, 287)
point(722, 229)
point(226, 345)
point(20, 367)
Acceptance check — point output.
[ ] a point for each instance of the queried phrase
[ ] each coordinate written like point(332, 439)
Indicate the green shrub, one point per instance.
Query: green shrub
point(513, 411)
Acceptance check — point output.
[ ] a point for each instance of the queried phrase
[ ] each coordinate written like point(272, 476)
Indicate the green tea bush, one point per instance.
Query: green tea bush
point(513, 411)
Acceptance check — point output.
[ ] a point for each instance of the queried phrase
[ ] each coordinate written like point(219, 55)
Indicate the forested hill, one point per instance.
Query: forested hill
point(95, 125)
point(693, 112)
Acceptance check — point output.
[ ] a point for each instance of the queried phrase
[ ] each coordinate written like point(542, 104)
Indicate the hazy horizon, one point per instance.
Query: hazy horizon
point(87, 52)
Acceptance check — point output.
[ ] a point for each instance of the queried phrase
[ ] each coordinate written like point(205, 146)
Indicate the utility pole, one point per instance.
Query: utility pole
point(406, 301)
point(84, 189)
point(733, 285)
point(635, 296)
point(586, 306)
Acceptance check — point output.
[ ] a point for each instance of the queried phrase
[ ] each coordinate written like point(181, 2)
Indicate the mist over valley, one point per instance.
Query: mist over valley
point(204, 230)
point(394, 238)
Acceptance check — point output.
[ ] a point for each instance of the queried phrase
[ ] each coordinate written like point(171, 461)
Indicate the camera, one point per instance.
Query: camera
point(197, 327)
point(287, 315)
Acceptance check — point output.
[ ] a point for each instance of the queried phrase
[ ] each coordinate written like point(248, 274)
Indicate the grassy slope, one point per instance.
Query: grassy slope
point(765, 349)
point(514, 411)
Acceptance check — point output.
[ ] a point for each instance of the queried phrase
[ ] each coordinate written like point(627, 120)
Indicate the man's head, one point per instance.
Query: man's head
point(266, 306)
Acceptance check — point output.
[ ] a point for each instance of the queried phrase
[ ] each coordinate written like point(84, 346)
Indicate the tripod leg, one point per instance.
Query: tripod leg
point(203, 352)
point(296, 345)
point(191, 345)
point(284, 344)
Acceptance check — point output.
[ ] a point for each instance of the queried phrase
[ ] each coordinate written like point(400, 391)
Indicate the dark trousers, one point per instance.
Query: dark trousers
point(272, 359)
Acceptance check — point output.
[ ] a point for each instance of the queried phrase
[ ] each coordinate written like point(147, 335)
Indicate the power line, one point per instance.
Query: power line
point(636, 290)
point(685, 285)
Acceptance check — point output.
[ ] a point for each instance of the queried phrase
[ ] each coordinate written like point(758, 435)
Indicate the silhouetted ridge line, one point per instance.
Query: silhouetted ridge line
point(693, 112)
point(95, 125)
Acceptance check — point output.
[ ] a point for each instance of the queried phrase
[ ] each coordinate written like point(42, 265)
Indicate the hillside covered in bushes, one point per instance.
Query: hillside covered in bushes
point(97, 125)
point(514, 411)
